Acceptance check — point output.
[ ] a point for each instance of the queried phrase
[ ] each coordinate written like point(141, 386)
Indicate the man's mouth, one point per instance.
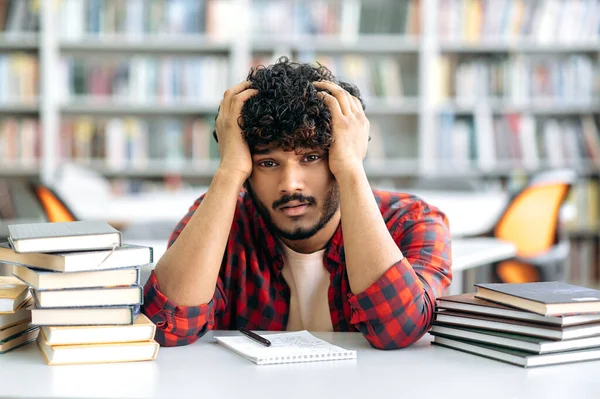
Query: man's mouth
point(294, 208)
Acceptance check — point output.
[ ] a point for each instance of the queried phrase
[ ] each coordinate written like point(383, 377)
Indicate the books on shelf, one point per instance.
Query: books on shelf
point(123, 256)
point(13, 292)
point(20, 143)
point(133, 19)
point(518, 79)
point(516, 140)
point(19, 17)
point(139, 80)
point(323, 17)
point(19, 79)
point(63, 236)
point(544, 22)
point(137, 143)
point(520, 326)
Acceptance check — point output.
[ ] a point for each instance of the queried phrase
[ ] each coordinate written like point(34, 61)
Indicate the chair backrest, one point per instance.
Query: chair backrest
point(56, 210)
point(531, 219)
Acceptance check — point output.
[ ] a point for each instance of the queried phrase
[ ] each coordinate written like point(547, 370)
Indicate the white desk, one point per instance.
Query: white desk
point(470, 253)
point(207, 370)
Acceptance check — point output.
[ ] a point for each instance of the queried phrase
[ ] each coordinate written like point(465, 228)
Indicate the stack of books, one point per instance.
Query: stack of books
point(530, 324)
point(85, 289)
point(15, 316)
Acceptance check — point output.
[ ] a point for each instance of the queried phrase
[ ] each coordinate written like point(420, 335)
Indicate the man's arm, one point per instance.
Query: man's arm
point(370, 250)
point(184, 293)
point(187, 272)
point(392, 303)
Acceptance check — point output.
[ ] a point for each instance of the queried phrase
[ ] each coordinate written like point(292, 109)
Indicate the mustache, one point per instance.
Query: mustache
point(294, 197)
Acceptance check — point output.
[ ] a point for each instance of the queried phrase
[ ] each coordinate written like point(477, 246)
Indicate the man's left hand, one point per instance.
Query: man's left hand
point(349, 127)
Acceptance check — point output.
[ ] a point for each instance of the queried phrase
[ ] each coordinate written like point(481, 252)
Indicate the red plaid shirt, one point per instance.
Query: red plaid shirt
point(251, 292)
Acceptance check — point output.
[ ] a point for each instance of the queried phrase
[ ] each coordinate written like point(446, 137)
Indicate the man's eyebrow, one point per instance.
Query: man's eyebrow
point(262, 151)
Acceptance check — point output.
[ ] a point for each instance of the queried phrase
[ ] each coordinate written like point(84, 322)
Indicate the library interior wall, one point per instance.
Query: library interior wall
point(479, 92)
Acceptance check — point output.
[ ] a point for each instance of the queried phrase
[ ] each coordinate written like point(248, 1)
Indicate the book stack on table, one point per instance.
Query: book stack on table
point(529, 324)
point(86, 292)
point(15, 316)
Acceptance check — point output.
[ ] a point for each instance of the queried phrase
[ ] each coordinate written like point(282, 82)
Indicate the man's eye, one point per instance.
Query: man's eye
point(267, 164)
point(312, 158)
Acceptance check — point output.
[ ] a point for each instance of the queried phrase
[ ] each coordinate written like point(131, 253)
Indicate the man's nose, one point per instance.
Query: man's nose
point(292, 180)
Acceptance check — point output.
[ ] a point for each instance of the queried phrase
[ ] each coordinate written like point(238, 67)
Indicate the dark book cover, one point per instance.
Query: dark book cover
point(551, 292)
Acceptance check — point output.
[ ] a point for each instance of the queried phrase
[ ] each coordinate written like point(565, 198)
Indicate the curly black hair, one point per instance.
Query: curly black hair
point(287, 112)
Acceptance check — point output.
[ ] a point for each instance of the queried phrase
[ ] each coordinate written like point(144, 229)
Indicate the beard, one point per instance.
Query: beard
point(330, 207)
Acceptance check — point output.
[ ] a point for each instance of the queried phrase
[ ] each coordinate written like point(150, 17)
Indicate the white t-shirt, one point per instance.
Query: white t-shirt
point(308, 280)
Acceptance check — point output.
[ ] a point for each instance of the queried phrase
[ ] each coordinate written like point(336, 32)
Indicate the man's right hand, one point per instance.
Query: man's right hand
point(235, 154)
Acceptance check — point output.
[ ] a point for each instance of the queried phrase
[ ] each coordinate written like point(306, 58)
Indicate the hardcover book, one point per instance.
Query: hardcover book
point(141, 330)
point(89, 297)
point(87, 316)
point(550, 298)
point(42, 280)
point(75, 261)
point(97, 353)
point(519, 358)
point(469, 303)
point(63, 236)
point(515, 341)
point(13, 292)
point(516, 326)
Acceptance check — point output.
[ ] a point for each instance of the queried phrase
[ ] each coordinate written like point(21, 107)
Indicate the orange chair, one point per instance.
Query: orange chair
point(54, 208)
point(531, 222)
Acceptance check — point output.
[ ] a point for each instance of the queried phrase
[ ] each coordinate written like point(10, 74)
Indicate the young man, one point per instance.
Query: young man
point(290, 235)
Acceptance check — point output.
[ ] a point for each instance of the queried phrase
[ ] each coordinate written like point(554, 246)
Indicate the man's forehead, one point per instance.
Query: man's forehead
point(271, 149)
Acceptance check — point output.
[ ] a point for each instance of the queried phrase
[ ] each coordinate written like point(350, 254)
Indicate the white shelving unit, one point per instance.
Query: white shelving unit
point(413, 116)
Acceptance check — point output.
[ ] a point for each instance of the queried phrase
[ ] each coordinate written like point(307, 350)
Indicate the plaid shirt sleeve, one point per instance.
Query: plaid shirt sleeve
point(397, 309)
point(179, 325)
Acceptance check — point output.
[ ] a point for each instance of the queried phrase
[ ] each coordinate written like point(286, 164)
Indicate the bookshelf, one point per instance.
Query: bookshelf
point(520, 80)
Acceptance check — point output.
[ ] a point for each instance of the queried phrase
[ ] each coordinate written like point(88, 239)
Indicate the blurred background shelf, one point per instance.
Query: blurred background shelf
point(146, 44)
point(364, 44)
point(112, 107)
point(461, 93)
point(519, 46)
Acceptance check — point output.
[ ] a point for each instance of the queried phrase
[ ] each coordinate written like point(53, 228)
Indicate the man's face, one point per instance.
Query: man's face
point(295, 192)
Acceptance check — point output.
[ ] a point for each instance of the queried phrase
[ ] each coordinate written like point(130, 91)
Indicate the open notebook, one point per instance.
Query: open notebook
point(293, 347)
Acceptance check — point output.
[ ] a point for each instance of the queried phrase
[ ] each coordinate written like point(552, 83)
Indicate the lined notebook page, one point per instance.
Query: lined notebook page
point(293, 347)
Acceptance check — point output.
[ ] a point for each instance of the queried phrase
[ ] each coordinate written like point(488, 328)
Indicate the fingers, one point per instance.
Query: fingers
point(331, 102)
point(345, 99)
point(340, 95)
point(233, 91)
point(358, 104)
point(239, 99)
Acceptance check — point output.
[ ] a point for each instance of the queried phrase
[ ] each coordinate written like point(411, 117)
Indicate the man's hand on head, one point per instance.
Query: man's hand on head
point(235, 154)
point(349, 127)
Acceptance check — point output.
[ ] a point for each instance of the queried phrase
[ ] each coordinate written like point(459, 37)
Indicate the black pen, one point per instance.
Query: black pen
point(255, 337)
